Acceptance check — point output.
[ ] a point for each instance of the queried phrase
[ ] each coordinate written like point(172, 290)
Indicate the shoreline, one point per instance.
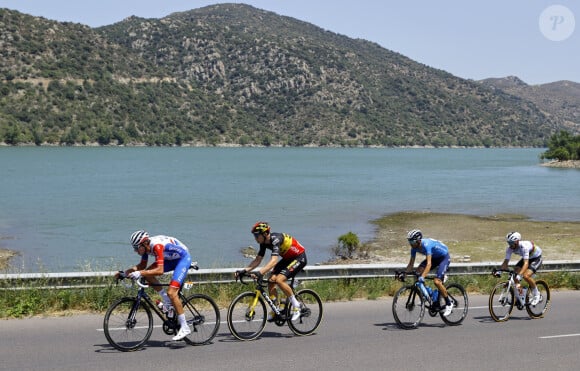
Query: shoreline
point(470, 238)
point(570, 164)
point(237, 145)
point(5, 256)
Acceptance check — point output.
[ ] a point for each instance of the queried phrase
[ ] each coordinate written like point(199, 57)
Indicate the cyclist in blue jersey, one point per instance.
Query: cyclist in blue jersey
point(170, 255)
point(437, 256)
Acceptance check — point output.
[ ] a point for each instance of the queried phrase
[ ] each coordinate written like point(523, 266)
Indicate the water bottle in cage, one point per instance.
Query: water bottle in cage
point(159, 304)
point(435, 296)
point(167, 309)
point(522, 295)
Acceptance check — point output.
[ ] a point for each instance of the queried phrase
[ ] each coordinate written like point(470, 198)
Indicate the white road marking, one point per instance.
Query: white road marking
point(558, 336)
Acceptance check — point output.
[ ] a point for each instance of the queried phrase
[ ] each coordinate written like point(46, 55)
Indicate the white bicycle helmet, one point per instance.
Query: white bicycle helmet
point(414, 235)
point(137, 237)
point(513, 237)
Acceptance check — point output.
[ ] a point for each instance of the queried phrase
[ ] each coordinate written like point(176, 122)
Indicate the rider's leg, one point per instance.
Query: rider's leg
point(272, 286)
point(529, 279)
point(173, 294)
point(180, 269)
point(442, 265)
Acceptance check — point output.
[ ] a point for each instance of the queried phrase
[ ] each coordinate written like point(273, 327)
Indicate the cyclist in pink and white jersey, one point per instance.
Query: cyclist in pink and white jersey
point(529, 263)
point(170, 255)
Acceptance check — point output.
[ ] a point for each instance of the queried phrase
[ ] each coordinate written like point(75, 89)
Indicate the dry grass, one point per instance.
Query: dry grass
point(5, 256)
point(481, 238)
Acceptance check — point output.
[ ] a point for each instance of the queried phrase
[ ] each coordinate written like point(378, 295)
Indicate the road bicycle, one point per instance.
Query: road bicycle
point(247, 314)
point(411, 301)
point(505, 295)
point(128, 322)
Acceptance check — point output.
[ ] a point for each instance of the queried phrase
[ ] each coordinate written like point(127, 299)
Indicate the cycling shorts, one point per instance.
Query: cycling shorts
point(533, 264)
point(290, 267)
point(179, 268)
point(442, 264)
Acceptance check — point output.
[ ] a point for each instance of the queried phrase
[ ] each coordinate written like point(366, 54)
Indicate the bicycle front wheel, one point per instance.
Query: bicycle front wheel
point(128, 326)
point(203, 317)
point(501, 302)
point(538, 310)
point(310, 313)
point(408, 307)
point(458, 297)
point(247, 321)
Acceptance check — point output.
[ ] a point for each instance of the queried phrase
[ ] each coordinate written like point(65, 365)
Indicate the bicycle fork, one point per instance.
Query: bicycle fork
point(131, 321)
point(251, 312)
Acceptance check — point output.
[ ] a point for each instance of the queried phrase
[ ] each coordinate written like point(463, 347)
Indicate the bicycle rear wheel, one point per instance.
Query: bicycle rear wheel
point(127, 328)
point(501, 302)
point(408, 307)
point(310, 313)
point(460, 301)
point(245, 321)
point(538, 310)
point(203, 317)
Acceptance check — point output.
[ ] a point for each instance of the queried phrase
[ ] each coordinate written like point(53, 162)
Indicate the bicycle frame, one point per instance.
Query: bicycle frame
point(505, 295)
point(428, 300)
point(128, 322)
point(248, 312)
point(142, 295)
point(262, 290)
point(170, 324)
point(410, 302)
point(512, 286)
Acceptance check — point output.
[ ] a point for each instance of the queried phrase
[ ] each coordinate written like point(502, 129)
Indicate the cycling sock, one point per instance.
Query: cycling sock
point(295, 302)
point(181, 319)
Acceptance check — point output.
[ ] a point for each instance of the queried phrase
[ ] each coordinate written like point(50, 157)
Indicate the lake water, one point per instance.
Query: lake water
point(72, 209)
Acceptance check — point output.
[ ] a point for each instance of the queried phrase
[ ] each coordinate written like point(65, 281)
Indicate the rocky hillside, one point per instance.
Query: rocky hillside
point(236, 75)
point(560, 99)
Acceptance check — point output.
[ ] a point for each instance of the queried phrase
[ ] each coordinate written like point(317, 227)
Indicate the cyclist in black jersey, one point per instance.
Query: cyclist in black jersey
point(293, 260)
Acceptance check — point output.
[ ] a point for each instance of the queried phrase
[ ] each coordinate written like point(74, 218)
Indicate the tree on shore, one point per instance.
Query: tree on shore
point(563, 146)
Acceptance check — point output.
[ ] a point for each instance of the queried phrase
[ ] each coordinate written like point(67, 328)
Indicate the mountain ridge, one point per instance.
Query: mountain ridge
point(232, 74)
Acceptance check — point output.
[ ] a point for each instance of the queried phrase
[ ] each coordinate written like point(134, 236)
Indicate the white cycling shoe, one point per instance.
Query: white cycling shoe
point(536, 300)
point(183, 332)
point(295, 313)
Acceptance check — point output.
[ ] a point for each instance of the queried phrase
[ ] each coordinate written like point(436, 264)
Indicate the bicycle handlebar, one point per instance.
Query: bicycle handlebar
point(401, 275)
point(510, 271)
point(259, 281)
point(140, 283)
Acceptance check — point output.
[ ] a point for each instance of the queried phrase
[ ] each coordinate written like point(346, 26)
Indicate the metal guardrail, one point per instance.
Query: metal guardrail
point(226, 275)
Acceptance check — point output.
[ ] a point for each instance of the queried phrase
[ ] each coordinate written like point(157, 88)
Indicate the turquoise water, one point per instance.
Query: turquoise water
point(70, 208)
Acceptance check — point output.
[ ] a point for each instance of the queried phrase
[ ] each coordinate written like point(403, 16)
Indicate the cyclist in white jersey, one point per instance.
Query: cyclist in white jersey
point(170, 255)
point(529, 263)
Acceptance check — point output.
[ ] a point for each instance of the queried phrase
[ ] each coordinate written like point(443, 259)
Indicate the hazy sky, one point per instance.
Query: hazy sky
point(536, 40)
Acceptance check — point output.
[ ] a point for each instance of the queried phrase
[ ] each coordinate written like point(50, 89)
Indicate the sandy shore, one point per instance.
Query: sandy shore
point(469, 237)
point(563, 164)
point(5, 256)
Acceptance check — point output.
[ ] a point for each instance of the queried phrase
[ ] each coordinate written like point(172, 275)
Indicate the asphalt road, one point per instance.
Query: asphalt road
point(354, 335)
